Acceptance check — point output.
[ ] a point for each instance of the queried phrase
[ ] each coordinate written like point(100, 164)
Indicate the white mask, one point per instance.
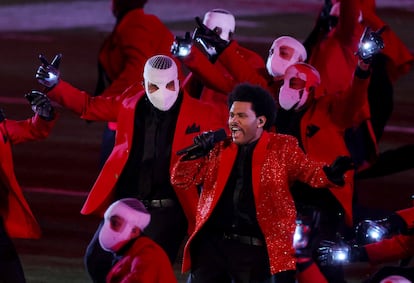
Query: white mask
point(161, 71)
point(220, 21)
point(277, 65)
point(292, 98)
point(125, 215)
point(295, 98)
point(395, 279)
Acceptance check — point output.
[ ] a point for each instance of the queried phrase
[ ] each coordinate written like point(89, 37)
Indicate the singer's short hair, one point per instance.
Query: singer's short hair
point(262, 102)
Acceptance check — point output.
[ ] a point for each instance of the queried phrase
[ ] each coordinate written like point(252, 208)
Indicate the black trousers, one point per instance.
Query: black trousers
point(11, 270)
point(218, 260)
point(168, 228)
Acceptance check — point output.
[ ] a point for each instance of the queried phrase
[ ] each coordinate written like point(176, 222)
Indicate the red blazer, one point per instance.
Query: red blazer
point(408, 216)
point(121, 109)
point(277, 163)
point(144, 262)
point(387, 250)
point(332, 114)
point(18, 218)
point(137, 37)
point(334, 57)
point(218, 78)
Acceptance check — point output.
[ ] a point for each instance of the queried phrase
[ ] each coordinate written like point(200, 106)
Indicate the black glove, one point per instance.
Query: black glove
point(307, 228)
point(339, 253)
point(335, 172)
point(41, 104)
point(2, 116)
point(370, 43)
point(209, 39)
point(181, 46)
point(48, 74)
point(205, 142)
point(371, 231)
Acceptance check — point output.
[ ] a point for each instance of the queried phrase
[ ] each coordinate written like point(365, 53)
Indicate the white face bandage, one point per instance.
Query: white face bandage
point(161, 81)
point(220, 21)
point(284, 52)
point(298, 80)
point(120, 220)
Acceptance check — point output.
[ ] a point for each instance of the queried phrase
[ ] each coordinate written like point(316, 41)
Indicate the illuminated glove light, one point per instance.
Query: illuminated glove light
point(339, 255)
point(301, 236)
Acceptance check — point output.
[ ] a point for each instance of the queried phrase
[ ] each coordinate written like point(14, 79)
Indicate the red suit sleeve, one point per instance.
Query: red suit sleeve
point(31, 129)
point(395, 248)
point(408, 216)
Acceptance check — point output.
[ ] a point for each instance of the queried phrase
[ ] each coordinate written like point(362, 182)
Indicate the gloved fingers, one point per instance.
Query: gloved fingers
point(43, 60)
point(36, 97)
point(56, 61)
point(42, 73)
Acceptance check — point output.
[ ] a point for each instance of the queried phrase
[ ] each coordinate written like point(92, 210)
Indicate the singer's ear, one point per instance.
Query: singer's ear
point(262, 121)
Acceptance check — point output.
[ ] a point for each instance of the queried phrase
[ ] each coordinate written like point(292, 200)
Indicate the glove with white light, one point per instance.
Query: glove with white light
point(370, 43)
point(181, 46)
point(340, 253)
point(304, 239)
point(48, 74)
point(371, 231)
point(41, 105)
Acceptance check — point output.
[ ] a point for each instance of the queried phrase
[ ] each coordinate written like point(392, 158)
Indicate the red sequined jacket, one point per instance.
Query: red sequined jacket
point(277, 162)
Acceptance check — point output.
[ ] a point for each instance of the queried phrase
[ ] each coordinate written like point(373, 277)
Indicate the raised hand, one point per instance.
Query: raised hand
point(371, 231)
point(48, 74)
point(181, 46)
point(210, 40)
point(370, 43)
point(339, 253)
point(40, 104)
point(335, 172)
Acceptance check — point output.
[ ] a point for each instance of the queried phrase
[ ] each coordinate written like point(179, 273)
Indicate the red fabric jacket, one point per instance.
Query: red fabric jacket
point(408, 216)
point(137, 37)
point(218, 78)
point(397, 247)
point(332, 114)
point(387, 250)
point(18, 218)
point(334, 57)
point(277, 163)
point(121, 109)
point(401, 59)
point(144, 262)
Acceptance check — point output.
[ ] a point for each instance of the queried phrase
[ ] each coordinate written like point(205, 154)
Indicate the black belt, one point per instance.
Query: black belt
point(157, 203)
point(247, 240)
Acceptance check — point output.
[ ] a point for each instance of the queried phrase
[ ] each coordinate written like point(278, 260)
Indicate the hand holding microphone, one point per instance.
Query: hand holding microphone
point(203, 143)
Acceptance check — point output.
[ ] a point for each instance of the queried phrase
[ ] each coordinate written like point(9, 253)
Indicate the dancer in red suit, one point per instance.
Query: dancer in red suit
point(16, 218)
point(139, 259)
point(135, 37)
point(246, 215)
point(211, 80)
point(153, 124)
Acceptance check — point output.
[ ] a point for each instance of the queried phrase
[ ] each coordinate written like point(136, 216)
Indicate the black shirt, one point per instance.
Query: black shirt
point(236, 210)
point(147, 172)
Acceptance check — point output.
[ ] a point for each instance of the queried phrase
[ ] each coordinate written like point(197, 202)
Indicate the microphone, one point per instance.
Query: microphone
point(218, 136)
